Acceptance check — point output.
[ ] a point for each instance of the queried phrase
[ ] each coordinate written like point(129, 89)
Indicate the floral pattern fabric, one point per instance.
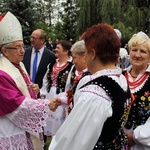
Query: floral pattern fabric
point(32, 120)
point(18, 142)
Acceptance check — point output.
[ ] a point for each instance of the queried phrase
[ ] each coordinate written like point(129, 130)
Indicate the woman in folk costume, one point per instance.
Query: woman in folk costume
point(54, 83)
point(138, 78)
point(99, 113)
point(20, 114)
point(78, 71)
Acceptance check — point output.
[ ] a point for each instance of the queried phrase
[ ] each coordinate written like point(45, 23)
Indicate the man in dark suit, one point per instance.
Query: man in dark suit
point(49, 44)
point(44, 56)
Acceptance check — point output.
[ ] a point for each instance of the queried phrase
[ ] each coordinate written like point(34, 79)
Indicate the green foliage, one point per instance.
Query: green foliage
point(69, 17)
point(129, 16)
point(57, 32)
point(134, 17)
point(113, 12)
point(87, 14)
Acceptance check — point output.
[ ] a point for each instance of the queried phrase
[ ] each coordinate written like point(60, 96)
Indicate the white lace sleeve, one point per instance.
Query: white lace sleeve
point(31, 115)
point(83, 126)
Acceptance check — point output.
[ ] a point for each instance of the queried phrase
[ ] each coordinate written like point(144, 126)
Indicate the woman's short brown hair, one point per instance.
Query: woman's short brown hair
point(66, 45)
point(103, 39)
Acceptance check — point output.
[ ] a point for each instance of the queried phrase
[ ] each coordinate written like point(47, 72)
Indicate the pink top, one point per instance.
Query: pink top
point(10, 95)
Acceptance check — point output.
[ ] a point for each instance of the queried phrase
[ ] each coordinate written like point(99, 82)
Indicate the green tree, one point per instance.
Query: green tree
point(135, 17)
point(49, 10)
point(69, 22)
point(57, 31)
point(129, 16)
point(88, 14)
point(48, 18)
point(44, 9)
point(69, 19)
point(97, 11)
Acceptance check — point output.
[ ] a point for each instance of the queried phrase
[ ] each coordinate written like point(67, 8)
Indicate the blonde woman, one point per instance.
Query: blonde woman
point(138, 78)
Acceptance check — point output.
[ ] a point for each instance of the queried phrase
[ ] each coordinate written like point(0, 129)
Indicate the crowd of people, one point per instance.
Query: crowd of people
point(80, 95)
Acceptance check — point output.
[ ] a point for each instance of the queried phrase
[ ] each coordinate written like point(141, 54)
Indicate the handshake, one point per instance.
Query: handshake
point(54, 103)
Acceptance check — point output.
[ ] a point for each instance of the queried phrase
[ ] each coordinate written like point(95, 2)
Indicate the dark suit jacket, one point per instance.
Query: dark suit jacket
point(47, 57)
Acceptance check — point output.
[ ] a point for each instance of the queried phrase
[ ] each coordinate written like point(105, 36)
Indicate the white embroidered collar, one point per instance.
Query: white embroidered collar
point(107, 72)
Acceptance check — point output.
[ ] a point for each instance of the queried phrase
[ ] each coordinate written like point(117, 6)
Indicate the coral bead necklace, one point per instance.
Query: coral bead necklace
point(138, 82)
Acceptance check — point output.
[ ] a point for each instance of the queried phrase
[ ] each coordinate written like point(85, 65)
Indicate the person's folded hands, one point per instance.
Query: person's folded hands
point(54, 103)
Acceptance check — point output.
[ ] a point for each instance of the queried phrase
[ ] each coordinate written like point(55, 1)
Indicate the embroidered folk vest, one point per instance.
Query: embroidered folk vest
point(61, 78)
point(71, 91)
point(140, 109)
point(112, 136)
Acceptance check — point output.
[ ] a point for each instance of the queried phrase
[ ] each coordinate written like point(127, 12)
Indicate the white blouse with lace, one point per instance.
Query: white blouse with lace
point(92, 106)
point(14, 125)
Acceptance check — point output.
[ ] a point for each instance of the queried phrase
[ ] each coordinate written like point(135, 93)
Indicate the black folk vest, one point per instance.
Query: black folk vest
point(61, 78)
point(112, 136)
point(140, 109)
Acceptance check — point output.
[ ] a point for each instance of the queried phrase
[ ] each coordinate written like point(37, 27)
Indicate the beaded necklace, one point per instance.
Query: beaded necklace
point(138, 82)
point(56, 70)
point(78, 76)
